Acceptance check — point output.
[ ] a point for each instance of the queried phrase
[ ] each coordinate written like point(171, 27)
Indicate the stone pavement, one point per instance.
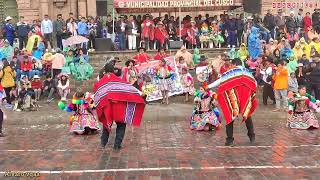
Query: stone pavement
point(162, 148)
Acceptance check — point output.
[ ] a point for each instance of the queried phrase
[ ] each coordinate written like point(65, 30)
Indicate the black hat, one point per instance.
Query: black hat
point(203, 58)
point(129, 61)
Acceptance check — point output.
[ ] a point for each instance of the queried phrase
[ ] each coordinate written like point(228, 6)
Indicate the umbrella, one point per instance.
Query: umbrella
point(75, 40)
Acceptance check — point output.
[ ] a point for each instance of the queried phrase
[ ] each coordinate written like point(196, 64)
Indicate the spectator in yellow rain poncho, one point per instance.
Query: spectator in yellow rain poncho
point(297, 51)
point(305, 47)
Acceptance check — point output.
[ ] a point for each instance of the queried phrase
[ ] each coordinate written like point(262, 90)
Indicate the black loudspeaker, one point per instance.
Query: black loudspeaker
point(104, 44)
point(102, 6)
point(175, 44)
point(252, 6)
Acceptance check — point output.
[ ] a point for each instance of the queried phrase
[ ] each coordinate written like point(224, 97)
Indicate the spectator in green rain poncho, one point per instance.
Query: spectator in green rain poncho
point(196, 56)
point(7, 51)
point(233, 54)
point(292, 65)
point(69, 67)
point(83, 70)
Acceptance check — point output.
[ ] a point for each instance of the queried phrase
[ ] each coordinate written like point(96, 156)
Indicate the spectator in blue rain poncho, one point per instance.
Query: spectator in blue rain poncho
point(286, 52)
point(254, 44)
point(38, 52)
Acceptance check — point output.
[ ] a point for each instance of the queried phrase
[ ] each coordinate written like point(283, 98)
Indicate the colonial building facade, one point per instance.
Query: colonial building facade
point(36, 9)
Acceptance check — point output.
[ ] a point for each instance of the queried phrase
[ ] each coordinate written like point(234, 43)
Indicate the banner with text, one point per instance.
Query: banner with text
point(296, 5)
point(174, 3)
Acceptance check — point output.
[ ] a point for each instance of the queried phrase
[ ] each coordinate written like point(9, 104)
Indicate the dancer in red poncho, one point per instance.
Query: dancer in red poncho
point(116, 100)
point(237, 97)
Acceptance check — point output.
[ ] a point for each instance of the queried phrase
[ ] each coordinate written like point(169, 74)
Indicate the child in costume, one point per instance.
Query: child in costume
point(83, 120)
point(204, 37)
point(215, 35)
point(187, 83)
point(301, 106)
point(205, 115)
point(164, 74)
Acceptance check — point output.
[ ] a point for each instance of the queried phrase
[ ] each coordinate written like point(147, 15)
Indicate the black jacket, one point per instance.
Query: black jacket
point(314, 76)
point(23, 29)
point(316, 19)
point(269, 22)
point(291, 24)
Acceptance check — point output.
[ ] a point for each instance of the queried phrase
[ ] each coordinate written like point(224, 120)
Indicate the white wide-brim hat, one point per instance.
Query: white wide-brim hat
point(8, 18)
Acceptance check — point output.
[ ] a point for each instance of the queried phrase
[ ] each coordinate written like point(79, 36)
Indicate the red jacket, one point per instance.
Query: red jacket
point(36, 85)
point(160, 35)
point(160, 57)
point(307, 23)
point(141, 58)
point(26, 66)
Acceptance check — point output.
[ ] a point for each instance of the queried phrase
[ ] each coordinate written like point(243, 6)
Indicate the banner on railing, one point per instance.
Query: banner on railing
point(174, 3)
point(151, 82)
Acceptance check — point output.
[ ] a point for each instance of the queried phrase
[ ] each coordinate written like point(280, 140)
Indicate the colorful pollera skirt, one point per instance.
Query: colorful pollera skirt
point(304, 120)
point(199, 121)
point(81, 122)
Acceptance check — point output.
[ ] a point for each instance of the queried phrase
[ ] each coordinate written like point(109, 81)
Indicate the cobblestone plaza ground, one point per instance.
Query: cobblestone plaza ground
point(162, 148)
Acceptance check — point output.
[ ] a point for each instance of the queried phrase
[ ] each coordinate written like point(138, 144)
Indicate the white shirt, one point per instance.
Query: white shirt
point(46, 26)
point(267, 72)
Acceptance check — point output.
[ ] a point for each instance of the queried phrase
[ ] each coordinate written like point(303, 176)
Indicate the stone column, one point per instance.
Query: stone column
point(92, 8)
point(44, 7)
point(82, 8)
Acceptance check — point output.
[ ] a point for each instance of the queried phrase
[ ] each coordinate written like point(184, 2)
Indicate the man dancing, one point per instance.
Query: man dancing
point(237, 96)
point(118, 101)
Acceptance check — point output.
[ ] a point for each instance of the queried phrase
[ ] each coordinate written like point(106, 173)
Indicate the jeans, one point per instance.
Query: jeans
point(22, 42)
point(59, 41)
point(249, 125)
point(48, 37)
point(315, 88)
point(1, 120)
point(35, 72)
point(122, 41)
point(26, 73)
point(18, 74)
point(7, 90)
point(92, 41)
point(10, 39)
point(239, 36)
point(50, 92)
point(132, 42)
point(121, 129)
point(267, 92)
point(281, 95)
point(232, 38)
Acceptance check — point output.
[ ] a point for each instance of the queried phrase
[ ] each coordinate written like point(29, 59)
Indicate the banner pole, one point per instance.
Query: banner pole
point(180, 22)
point(113, 20)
